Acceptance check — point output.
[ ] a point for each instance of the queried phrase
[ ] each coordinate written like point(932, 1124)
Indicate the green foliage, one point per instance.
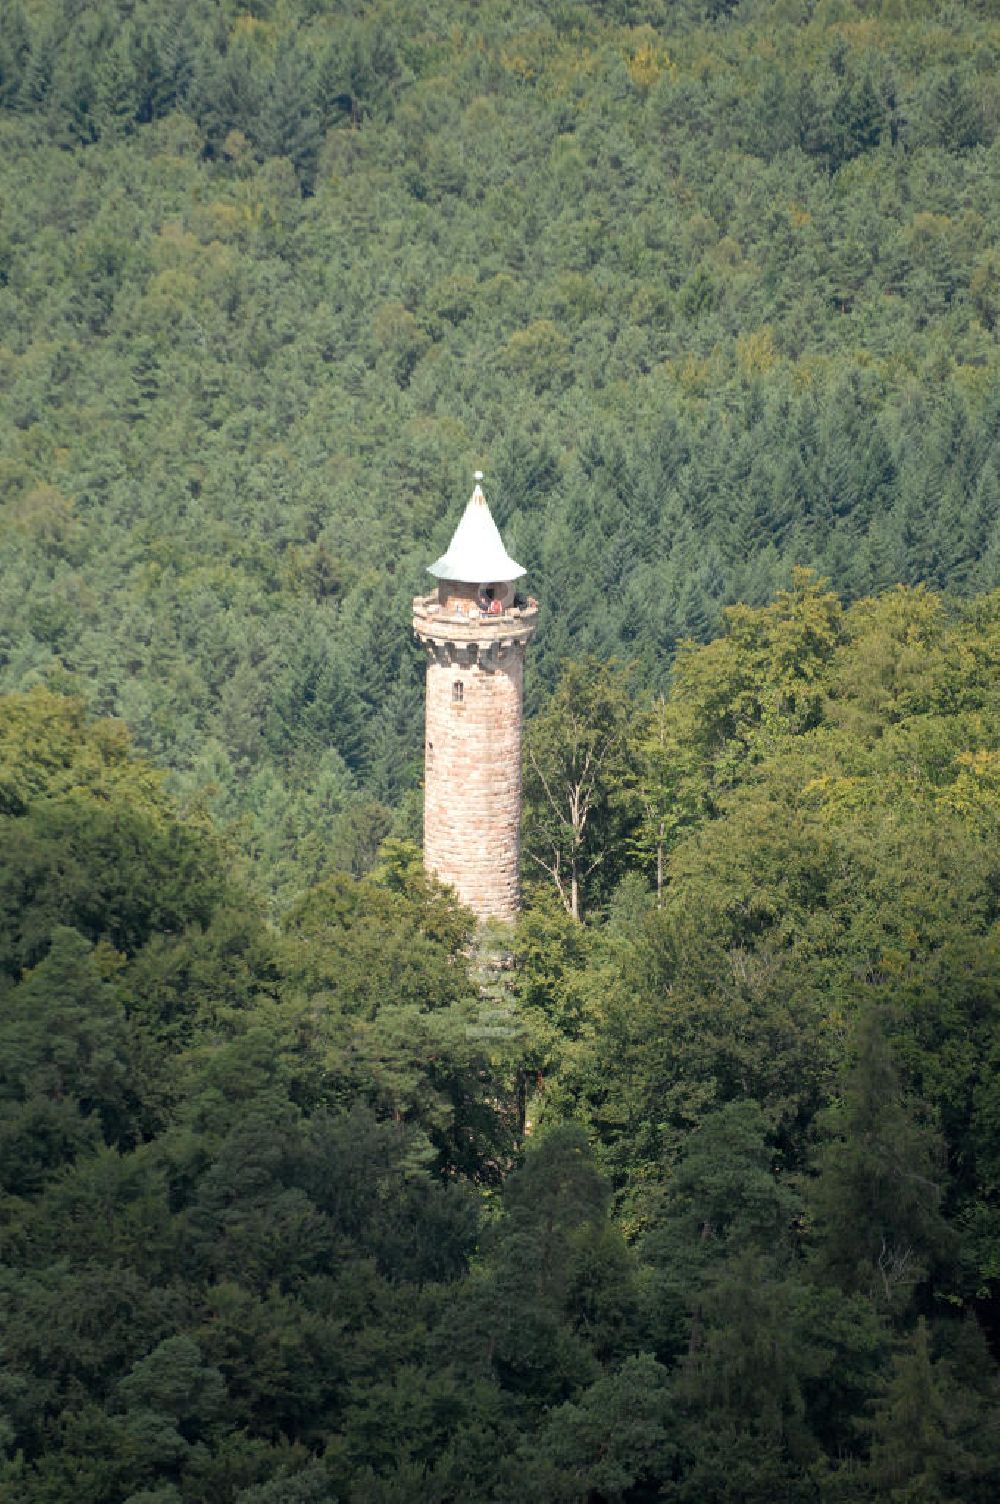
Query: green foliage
point(733, 700)
point(578, 770)
point(705, 307)
point(715, 303)
point(265, 1232)
point(198, 1213)
point(801, 804)
point(558, 1294)
point(930, 1439)
point(63, 1083)
point(879, 1188)
point(614, 1442)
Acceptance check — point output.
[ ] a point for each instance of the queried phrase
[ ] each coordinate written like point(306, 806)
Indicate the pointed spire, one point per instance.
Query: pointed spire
point(476, 554)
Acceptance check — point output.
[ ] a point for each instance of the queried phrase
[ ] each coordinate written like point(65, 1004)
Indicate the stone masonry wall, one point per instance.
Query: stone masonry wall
point(472, 789)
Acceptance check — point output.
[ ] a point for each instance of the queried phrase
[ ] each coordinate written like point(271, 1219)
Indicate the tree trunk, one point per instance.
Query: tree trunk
point(522, 1102)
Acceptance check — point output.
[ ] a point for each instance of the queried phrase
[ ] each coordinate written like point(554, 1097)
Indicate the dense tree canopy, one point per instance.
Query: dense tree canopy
point(270, 1225)
point(305, 1194)
point(708, 290)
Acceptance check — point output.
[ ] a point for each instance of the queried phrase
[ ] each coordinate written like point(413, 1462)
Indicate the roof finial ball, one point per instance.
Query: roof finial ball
point(475, 630)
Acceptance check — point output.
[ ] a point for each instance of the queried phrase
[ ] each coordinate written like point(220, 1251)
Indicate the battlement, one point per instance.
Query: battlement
point(462, 622)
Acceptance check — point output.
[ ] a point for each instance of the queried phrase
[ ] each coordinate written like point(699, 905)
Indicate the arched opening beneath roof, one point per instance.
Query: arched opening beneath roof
point(466, 599)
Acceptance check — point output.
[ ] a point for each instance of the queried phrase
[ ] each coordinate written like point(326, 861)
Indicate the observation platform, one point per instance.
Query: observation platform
point(463, 622)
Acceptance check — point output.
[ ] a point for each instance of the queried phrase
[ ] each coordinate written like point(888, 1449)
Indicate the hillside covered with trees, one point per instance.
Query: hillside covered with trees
point(707, 289)
point(270, 1231)
point(302, 1197)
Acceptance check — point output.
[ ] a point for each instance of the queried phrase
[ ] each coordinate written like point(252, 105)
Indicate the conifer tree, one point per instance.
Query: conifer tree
point(877, 1198)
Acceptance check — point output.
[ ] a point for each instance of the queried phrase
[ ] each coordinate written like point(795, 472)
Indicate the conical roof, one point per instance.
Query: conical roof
point(476, 554)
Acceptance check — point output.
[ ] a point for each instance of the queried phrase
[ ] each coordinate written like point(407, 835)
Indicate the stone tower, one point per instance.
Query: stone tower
point(475, 630)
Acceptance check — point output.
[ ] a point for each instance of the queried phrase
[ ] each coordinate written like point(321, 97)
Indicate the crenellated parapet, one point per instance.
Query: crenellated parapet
point(472, 635)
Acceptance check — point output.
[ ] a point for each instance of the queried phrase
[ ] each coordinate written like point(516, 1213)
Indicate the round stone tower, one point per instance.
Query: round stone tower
point(475, 630)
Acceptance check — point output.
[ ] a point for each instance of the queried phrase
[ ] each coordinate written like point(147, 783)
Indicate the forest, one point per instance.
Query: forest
point(273, 1229)
point(302, 1197)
